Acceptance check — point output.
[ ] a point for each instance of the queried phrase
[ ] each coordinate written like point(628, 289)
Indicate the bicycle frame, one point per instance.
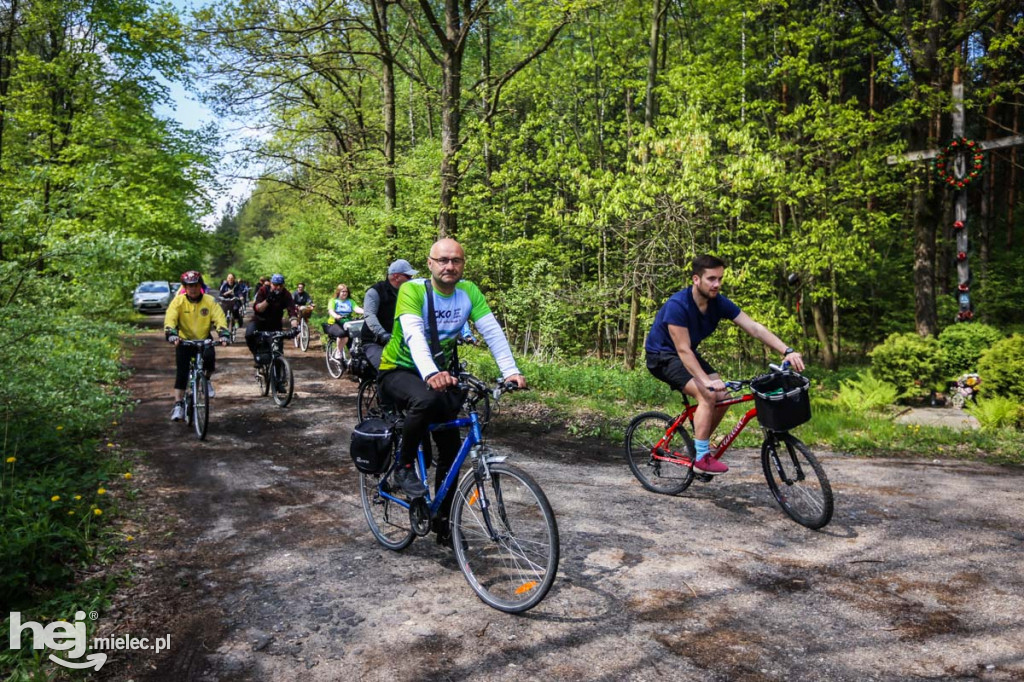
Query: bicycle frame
point(687, 414)
point(473, 438)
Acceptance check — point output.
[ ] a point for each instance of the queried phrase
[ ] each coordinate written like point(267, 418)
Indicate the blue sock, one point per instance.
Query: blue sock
point(703, 447)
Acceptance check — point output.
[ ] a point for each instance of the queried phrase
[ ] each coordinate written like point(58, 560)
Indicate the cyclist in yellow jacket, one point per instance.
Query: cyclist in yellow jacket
point(192, 317)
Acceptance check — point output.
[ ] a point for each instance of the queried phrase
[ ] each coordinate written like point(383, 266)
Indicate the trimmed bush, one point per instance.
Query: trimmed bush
point(914, 364)
point(1002, 368)
point(963, 345)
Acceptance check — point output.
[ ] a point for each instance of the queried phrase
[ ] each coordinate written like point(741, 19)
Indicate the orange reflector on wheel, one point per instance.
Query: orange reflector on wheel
point(472, 498)
point(526, 587)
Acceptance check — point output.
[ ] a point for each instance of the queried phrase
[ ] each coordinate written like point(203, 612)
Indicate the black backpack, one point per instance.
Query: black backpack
point(372, 446)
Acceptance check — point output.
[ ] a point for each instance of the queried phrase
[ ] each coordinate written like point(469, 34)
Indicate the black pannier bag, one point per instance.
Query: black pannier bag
point(264, 353)
point(782, 400)
point(373, 445)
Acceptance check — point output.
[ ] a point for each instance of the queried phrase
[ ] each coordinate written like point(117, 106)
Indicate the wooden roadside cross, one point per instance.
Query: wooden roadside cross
point(959, 169)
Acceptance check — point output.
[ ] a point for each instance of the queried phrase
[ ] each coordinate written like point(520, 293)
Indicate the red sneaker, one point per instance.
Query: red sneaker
point(710, 465)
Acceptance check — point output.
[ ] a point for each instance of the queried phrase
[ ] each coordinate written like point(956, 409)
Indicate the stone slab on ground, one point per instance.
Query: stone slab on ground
point(949, 417)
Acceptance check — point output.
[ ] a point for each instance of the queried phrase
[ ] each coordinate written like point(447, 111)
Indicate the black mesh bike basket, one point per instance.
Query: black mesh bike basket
point(782, 400)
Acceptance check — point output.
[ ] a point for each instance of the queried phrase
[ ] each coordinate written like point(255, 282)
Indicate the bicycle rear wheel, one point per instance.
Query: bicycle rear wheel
point(513, 570)
point(657, 475)
point(281, 381)
point(232, 326)
point(200, 404)
point(388, 520)
point(334, 365)
point(368, 402)
point(303, 335)
point(797, 480)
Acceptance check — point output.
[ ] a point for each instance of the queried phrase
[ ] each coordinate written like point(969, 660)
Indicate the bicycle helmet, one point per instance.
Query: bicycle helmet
point(191, 277)
point(277, 279)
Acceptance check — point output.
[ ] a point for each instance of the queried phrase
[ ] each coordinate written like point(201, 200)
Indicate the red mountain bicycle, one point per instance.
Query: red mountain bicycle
point(661, 453)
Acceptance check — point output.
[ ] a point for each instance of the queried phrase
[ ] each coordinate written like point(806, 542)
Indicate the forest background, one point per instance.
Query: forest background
point(583, 152)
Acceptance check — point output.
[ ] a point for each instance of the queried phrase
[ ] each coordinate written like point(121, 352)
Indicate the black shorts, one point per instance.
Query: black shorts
point(669, 368)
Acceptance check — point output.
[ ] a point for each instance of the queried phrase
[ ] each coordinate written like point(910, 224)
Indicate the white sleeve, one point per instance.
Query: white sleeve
point(419, 348)
point(494, 335)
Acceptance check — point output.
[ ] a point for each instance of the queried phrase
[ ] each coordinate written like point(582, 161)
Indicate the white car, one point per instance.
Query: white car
point(152, 297)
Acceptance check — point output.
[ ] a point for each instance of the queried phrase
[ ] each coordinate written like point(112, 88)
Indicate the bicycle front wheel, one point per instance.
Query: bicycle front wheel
point(334, 365)
point(303, 335)
point(368, 402)
point(797, 480)
point(508, 549)
point(282, 382)
point(388, 520)
point(659, 475)
point(263, 379)
point(200, 404)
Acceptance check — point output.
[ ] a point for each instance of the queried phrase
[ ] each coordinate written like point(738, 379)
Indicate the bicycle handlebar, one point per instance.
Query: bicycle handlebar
point(290, 334)
point(201, 342)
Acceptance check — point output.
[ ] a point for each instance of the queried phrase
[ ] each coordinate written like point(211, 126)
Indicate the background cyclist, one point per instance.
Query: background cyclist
point(271, 302)
point(418, 382)
point(231, 297)
point(686, 319)
point(303, 300)
point(379, 309)
point(339, 312)
point(192, 316)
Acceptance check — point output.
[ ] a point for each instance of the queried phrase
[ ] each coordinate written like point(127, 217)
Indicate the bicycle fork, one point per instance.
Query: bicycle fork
point(482, 474)
point(772, 443)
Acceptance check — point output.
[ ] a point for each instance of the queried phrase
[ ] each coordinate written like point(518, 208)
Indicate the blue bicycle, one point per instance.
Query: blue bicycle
point(502, 527)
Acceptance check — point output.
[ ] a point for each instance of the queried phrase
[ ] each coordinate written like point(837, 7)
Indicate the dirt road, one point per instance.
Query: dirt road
point(252, 552)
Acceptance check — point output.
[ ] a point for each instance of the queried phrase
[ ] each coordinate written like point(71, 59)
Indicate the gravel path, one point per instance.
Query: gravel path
point(253, 553)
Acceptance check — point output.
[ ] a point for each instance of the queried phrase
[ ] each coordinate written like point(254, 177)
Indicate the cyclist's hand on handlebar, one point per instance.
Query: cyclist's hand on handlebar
point(796, 360)
point(442, 381)
point(173, 340)
point(716, 386)
point(517, 380)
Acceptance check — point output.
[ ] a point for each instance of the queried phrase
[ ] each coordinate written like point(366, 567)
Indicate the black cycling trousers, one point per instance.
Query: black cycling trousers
point(182, 358)
point(424, 406)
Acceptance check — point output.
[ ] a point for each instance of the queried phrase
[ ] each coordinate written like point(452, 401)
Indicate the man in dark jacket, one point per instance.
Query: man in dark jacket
point(379, 309)
point(271, 302)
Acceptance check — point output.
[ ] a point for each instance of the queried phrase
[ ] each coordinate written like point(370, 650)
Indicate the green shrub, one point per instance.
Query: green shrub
point(911, 362)
point(963, 344)
point(996, 412)
point(866, 392)
point(1002, 368)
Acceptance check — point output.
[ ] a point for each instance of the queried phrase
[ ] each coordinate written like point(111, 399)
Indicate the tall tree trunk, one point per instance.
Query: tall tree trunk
point(380, 10)
point(652, 76)
point(451, 128)
point(632, 339)
point(827, 358)
point(925, 317)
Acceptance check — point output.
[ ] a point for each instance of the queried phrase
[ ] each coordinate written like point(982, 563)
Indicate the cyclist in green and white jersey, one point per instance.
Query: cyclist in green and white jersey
point(420, 383)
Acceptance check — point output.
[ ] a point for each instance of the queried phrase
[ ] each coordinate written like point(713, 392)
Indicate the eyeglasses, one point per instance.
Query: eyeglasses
point(446, 261)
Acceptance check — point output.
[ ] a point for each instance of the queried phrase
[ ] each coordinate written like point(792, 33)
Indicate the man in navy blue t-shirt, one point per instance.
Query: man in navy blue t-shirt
point(686, 319)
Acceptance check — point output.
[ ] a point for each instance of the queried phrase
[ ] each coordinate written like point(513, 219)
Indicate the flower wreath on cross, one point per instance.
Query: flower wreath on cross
point(945, 162)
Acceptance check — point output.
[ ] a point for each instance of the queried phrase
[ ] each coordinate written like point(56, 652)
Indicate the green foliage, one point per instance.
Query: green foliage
point(963, 345)
point(866, 392)
point(1002, 368)
point(997, 412)
point(914, 364)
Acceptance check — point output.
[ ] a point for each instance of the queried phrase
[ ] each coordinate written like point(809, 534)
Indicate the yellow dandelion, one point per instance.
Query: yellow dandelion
point(97, 512)
point(78, 497)
point(128, 538)
point(60, 427)
point(101, 491)
point(128, 476)
point(71, 512)
point(113, 423)
point(55, 498)
point(12, 460)
point(111, 445)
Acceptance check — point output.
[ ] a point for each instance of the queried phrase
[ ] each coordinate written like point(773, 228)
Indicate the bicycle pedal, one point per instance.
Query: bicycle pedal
point(704, 478)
